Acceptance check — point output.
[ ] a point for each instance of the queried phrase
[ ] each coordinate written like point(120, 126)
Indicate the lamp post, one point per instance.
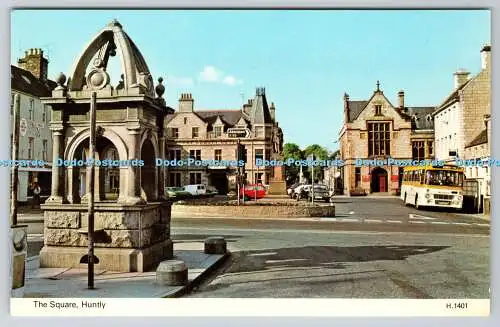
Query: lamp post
point(92, 144)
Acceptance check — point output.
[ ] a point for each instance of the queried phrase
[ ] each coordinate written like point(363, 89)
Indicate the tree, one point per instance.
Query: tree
point(320, 153)
point(292, 151)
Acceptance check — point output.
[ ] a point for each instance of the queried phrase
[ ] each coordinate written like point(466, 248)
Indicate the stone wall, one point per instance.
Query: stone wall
point(252, 211)
point(122, 227)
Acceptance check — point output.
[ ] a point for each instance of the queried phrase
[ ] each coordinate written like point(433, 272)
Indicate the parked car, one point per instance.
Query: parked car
point(211, 190)
point(290, 190)
point(253, 191)
point(177, 193)
point(196, 189)
point(321, 192)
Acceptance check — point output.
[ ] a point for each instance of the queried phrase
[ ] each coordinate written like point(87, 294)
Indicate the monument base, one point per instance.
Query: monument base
point(127, 238)
point(277, 188)
point(112, 259)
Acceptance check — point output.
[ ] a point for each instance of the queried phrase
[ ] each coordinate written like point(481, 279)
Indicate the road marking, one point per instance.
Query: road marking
point(262, 254)
point(418, 222)
point(463, 224)
point(413, 216)
point(395, 221)
point(478, 224)
point(440, 222)
point(373, 221)
point(351, 212)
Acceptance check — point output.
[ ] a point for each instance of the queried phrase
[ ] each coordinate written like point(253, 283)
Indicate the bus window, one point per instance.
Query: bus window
point(422, 176)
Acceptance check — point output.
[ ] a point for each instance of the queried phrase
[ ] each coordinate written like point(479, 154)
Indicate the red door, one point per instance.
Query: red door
point(382, 184)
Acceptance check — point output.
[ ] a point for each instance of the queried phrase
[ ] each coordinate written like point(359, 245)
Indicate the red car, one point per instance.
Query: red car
point(253, 191)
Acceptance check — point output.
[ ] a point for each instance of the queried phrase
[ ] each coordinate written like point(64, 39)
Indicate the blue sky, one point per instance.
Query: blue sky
point(306, 60)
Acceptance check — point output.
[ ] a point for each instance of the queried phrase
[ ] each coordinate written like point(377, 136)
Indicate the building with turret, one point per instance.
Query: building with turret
point(208, 135)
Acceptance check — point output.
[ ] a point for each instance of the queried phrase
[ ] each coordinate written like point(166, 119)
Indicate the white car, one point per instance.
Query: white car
point(196, 189)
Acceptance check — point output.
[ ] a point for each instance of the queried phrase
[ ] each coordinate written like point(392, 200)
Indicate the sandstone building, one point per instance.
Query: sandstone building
point(205, 135)
point(376, 129)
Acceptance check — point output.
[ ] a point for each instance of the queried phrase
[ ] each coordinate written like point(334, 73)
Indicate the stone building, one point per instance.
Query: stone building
point(375, 129)
point(459, 118)
point(479, 149)
point(206, 135)
point(30, 82)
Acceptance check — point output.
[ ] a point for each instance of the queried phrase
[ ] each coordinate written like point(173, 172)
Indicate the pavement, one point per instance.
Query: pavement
point(72, 282)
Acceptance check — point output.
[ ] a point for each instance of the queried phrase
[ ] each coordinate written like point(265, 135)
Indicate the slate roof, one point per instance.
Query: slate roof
point(424, 119)
point(229, 117)
point(482, 138)
point(355, 108)
point(23, 81)
point(259, 113)
point(422, 113)
point(453, 97)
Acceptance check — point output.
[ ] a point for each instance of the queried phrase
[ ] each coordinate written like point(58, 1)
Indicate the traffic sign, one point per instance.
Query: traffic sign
point(237, 132)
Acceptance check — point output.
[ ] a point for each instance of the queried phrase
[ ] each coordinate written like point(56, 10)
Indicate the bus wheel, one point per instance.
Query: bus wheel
point(416, 202)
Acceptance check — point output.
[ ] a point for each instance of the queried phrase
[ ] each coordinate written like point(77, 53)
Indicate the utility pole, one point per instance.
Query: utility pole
point(238, 158)
point(92, 144)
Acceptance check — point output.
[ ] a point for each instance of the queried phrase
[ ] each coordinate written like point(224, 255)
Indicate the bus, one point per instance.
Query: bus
point(432, 186)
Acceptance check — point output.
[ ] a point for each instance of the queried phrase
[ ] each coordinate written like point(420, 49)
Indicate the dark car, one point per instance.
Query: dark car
point(321, 192)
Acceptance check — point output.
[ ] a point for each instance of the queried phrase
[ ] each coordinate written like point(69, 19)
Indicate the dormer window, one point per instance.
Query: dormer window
point(378, 110)
point(218, 131)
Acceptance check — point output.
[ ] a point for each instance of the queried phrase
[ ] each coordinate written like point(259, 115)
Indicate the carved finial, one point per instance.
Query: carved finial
point(60, 80)
point(378, 85)
point(115, 22)
point(346, 96)
point(160, 88)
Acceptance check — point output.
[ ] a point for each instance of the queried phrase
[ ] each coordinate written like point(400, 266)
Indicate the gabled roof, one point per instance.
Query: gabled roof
point(482, 138)
point(355, 108)
point(453, 97)
point(229, 117)
point(24, 81)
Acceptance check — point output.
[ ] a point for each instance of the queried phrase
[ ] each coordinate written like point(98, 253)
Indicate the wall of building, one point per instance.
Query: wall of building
point(37, 130)
point(476, 99)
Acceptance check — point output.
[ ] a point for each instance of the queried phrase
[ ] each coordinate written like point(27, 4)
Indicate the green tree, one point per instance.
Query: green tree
point(320, 153)
point(292, 151)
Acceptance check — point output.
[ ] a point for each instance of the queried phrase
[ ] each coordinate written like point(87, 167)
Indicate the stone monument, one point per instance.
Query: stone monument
point(132, 215)
point(277, 183)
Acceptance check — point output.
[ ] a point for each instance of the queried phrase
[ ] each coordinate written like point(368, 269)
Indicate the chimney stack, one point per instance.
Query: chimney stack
point(248, 106)
point(401, 100)
point(346, 108)
point(486, 57)
point(35, 63)
point(186, 103)
point(272, 109)
point(461, 76)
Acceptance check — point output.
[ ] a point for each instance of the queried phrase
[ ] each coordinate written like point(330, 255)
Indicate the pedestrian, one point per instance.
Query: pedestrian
point(36, 195)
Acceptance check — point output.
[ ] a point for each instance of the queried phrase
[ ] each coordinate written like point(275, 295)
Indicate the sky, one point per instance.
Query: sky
point(305, 59)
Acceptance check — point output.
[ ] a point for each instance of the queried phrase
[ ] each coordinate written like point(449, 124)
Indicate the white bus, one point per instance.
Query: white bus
point(433, 186)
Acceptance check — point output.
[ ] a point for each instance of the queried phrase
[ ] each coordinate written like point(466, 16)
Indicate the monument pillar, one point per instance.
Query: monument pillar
point(56, 194)
point(134, 177)
point(161, 172)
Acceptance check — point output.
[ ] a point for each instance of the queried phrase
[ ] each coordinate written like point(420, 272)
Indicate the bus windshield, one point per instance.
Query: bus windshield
point(444, 177)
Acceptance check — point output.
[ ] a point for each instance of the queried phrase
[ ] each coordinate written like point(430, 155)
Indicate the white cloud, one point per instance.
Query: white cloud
point(231, 80)
point(210, 74)
point(180, 81)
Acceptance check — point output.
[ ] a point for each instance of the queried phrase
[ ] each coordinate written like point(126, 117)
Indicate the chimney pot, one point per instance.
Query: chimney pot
point(461, 76)
point(401, 99)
